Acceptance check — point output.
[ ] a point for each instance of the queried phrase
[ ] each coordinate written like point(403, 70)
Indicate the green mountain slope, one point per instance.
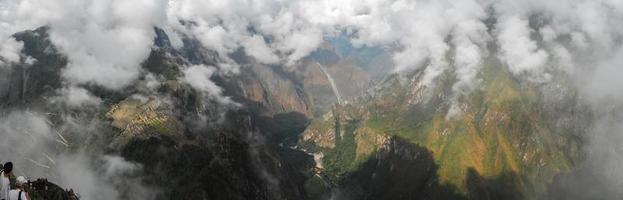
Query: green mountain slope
point(505, 132)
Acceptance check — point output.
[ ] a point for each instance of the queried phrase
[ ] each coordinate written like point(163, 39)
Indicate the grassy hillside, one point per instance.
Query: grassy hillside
point(500, 133)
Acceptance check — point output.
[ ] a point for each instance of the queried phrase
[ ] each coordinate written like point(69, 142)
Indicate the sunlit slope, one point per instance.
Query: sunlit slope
point(501, 132)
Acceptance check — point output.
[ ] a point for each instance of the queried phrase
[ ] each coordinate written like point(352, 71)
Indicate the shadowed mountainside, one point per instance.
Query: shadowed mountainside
point(505, 131)
point(399, 141)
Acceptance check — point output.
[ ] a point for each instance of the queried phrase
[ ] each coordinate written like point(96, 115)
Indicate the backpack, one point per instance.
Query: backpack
point(19, 195)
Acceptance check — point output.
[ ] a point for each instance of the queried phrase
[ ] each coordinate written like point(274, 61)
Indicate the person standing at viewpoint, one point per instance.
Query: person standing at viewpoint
point(7, 180)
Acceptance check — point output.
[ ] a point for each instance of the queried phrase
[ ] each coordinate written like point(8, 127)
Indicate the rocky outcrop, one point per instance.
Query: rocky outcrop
point(503, 133)
point(272, 91)
point(184, 142)
point(392, 141)
point(349, 80)
point(41, 189)
point(210, 150)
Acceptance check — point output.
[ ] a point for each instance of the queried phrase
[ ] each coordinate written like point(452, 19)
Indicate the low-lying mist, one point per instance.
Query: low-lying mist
point(106, 42)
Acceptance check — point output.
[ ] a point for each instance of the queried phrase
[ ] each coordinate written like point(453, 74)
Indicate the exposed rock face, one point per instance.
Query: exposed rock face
point(184, 141)
point(504, 133)
point(25, 84)
point(276, 91)
point(209, 151)
point(244, 153)
point(44, 190)
point(397, 141)
point(354, 71)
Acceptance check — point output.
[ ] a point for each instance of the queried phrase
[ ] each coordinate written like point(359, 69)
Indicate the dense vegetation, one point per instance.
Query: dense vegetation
point(500, 132)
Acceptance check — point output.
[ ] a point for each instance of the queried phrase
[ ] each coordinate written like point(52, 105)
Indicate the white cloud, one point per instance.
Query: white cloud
point(114, 174)
point(603, 84)
point(10, 50)
point(518, 50)
point(105, 41)
point(33, 145)
point(77, 97)
point(107, 44)
point(199, 77)
point(256, 47)
point(25, 135)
